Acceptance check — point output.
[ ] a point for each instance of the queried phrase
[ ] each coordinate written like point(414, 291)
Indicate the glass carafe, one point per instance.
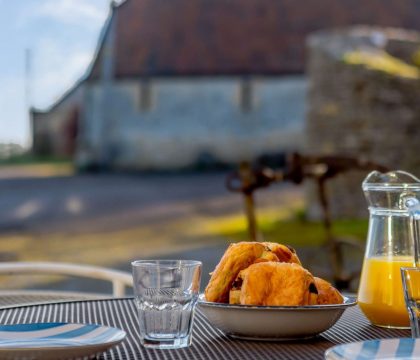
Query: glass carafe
point(389, 247)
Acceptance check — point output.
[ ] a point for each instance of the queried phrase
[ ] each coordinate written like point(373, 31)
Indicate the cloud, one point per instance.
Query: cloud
point(62, 35)
point(54, 73)
point(56, 68)
point(81, 12)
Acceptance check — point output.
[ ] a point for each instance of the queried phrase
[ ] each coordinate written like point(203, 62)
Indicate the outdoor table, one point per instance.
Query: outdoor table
point(208, 342)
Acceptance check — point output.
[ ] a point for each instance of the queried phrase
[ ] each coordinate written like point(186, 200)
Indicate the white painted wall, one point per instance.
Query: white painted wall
point(188, 117)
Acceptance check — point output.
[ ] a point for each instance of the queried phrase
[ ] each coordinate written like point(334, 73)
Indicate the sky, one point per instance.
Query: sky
point(61, 37)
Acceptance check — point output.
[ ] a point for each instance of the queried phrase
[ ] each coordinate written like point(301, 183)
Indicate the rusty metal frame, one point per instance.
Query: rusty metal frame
point(320, 169)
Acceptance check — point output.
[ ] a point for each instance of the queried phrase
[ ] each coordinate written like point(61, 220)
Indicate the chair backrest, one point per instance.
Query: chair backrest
point(119, 279)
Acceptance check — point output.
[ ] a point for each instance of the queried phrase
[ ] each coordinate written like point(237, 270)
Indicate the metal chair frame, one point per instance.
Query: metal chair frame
point(119, 279)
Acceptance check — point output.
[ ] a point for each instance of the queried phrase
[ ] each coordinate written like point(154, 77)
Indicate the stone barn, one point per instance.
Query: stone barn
point(177, 82)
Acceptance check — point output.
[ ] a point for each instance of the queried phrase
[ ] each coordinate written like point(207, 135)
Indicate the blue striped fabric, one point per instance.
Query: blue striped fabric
point(370, 349)
point(405, 348)
point(80, 331)
point(29, 327)
point(56, 335)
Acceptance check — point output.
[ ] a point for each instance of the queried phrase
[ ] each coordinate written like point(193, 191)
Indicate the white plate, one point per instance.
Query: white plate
point(272, 322)
point(56, 340)
point(376, 349)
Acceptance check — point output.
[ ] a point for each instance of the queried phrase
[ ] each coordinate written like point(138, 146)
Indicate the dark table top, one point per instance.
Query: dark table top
point(208, 342)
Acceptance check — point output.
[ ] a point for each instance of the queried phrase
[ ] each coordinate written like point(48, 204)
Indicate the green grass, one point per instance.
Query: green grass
point(299, 232)
point(29, 159)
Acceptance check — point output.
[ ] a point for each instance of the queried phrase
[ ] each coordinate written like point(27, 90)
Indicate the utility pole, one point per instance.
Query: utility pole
point(28, 93)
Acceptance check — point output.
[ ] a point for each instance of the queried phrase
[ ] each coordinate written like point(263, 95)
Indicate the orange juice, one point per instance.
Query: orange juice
point(381, 296)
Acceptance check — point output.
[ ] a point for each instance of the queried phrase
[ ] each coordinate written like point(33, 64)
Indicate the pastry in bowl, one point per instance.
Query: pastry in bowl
point(266, 274)
point(277, 284)
point(238, 257)
point(327, 294)
point(283, 252)
point(260, 291)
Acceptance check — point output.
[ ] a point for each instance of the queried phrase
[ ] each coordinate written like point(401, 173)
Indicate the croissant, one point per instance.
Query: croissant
point(277, 284)
point(284, 253)
point(327, 294)
point(269, 274)
point(236, 258)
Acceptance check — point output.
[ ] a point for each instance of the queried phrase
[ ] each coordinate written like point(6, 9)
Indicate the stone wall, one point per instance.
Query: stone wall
point(363, 101)
point(190, 117)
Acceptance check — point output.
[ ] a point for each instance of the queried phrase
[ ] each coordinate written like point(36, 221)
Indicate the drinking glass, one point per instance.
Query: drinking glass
point(411, 284)
point(166, 292)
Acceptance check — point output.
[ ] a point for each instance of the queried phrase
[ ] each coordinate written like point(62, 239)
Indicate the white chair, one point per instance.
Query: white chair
point(119, 279)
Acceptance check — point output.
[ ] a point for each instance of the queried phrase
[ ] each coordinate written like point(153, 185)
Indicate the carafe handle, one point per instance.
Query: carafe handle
point(413, 206)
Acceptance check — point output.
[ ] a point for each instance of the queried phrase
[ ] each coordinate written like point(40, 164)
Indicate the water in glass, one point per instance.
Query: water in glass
point(166, 293)
point(165, 314)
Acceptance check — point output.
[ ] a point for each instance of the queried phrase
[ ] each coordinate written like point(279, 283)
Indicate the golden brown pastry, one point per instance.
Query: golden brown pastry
point(236, 258)
point(235, 292)
point(267, 255)
point(270, 274)
point(283, 252)
point(327, 294)
point(277, 284)
point(235, 296)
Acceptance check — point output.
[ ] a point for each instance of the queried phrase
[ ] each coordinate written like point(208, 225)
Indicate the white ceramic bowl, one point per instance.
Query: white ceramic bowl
point(273, 322)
